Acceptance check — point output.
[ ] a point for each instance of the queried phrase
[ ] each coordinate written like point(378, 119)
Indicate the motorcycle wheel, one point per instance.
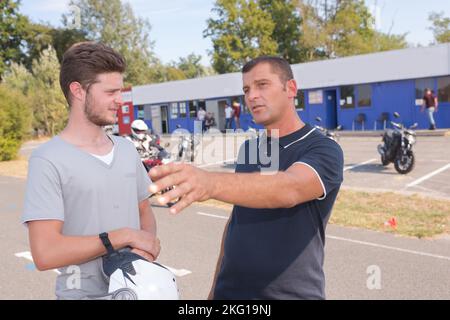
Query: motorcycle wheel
point(405, 163)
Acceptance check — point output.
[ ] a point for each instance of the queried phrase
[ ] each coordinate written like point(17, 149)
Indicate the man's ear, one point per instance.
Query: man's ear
point(76, 91)
point(291, 86)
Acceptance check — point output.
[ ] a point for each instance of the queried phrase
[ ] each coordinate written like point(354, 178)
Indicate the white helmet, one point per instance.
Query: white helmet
point(133, 278)
point(139, 129)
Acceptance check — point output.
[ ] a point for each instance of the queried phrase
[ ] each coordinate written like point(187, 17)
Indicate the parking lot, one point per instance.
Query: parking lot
point(363, 169)
point(407, 268)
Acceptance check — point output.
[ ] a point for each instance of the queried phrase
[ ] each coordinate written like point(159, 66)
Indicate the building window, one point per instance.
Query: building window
point(347, 97)
point(174, 110)
point(192, 109)
point(182, 109)
point(300, 100)
point(201, 104)
point(364, 95)
point(444, 89)
point(315, 97)
point(421, 85)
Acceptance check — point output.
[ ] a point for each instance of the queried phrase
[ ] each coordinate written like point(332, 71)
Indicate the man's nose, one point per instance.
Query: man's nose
point(119, 99)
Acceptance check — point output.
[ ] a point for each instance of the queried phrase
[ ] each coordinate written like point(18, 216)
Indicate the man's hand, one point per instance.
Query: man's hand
point(191, 184)
point(147, 256)
point(146, 242)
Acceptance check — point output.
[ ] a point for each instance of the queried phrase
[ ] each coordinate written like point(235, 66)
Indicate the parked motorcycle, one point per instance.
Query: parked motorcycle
point(332, 134)
point(397, 146)
point(157, 156)
point(186, 147)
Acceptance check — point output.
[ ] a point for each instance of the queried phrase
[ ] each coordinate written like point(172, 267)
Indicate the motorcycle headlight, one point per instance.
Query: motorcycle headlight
point(411, 139)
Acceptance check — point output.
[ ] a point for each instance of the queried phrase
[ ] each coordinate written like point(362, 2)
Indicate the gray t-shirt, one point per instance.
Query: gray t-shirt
point(68, 184)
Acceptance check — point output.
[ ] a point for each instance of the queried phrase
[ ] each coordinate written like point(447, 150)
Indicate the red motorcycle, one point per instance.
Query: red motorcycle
point(163, 157)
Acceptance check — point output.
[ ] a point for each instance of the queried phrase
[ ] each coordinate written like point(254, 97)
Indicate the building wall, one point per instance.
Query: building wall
point(390, 96)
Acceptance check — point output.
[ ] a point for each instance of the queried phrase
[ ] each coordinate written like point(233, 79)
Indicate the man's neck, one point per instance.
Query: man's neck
point(82, 132)
point(285, 126)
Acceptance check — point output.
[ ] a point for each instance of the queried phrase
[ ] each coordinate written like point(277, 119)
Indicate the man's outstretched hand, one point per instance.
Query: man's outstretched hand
point(191, 184)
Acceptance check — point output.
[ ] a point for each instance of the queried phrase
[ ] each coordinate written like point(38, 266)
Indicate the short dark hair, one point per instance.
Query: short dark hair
point(84, 61)
point(279, 66)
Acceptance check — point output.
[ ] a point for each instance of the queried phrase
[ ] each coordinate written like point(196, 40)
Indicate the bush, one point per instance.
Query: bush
point(15, 121)
point(8, 149)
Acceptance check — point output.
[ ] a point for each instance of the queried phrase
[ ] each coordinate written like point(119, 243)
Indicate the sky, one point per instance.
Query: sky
point(177, 25)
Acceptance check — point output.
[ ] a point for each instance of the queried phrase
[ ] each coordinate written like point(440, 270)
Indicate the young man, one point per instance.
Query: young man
point(273, 244)
point(83, 183)
point(430, 102)
point(228, 116)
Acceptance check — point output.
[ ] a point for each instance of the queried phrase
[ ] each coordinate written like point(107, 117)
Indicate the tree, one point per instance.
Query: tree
point(342, 28)
point(286, 31)
point(15, 121)
point(63, 39)
point(441, 27)
point(115, 24)
point(12, 31)
point(241, 31)
point(191, 66)
point(48, 103)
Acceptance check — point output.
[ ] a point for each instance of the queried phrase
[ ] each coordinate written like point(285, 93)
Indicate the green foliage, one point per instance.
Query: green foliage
point(114, 23)
point(41, 90)
point(13, 27)
point(241, 31)
point(15, 118)
point(441, 27)
point(342, 28)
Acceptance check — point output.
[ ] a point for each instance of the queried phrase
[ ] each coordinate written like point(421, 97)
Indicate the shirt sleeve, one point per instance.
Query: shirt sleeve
point(327, 161)
point(43, 194)
point(142, 179)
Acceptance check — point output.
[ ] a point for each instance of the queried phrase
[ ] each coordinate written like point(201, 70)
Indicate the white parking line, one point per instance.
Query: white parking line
point(212, 215)
point(27, 255)
point(217, 162)
point(428, 176)
point(359, 164)
point(371, 244)
point(176, 272)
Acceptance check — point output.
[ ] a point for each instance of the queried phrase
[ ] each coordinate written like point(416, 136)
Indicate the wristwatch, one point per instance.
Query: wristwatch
point(106, 242)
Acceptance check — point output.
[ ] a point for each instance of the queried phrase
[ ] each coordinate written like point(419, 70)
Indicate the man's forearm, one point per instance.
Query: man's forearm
point(148, 221)
point(254, 190)
point(74, 250)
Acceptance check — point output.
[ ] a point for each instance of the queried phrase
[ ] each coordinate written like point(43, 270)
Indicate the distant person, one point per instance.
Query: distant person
point(228, 116)
point(430, 102)
point(237, 114)
point(209, 121)
point(201, 117)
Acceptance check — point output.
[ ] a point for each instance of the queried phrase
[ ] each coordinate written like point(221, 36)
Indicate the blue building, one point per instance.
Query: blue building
point(359, 92)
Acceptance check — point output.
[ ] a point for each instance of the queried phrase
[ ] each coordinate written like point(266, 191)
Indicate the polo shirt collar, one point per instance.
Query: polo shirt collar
point(290, 139)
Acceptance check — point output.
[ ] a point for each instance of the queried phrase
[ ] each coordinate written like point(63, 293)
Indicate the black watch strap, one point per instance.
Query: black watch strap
point(105, 240)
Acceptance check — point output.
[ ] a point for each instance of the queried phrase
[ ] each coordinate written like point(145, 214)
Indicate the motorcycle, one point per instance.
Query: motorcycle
point(332, 134)
point(186, 147)
point(397, 146)
point(161, 157)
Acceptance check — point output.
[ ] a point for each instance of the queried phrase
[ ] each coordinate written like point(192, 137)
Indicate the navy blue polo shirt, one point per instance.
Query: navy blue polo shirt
point(279, 253)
